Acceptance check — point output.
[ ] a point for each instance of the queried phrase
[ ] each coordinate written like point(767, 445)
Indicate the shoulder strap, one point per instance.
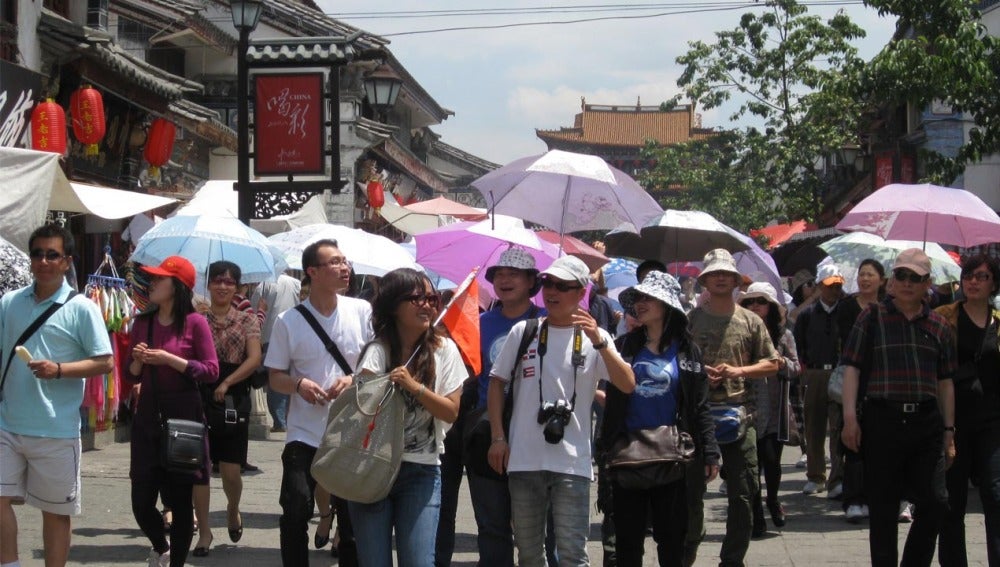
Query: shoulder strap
point(331, 347)
point(34, 326)
point(530, 330)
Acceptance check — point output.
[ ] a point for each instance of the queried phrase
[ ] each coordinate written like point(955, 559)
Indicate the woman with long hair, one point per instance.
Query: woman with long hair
point(976, 325)
point(671, 389)
point(773, 404)
point(172, 354)
point(428, 369)
point(236, 334)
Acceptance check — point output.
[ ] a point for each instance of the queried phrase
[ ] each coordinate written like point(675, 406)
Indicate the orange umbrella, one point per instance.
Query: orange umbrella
point(778, 233)
point(592, 257)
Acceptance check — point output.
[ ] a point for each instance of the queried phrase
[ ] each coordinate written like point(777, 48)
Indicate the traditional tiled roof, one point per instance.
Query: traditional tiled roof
point(172, 16)
point(628, 126)
point(305, 19)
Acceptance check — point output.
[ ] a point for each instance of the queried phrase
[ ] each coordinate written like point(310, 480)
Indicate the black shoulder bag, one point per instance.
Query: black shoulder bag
point(477, 436)
point(34, 326)
point(182, 442)
point(331, 347)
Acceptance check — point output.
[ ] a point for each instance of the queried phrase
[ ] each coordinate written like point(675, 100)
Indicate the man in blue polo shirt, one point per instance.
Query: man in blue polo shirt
point(40, 407)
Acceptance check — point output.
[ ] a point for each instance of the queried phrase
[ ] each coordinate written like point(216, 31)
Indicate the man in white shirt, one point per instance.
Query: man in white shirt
point(300, 365)
point(548, 455)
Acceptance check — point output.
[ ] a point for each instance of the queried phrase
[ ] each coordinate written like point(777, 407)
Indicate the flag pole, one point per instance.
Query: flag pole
point(458, 293)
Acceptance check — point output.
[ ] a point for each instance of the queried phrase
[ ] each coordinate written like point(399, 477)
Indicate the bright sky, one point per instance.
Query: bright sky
point(504, 83)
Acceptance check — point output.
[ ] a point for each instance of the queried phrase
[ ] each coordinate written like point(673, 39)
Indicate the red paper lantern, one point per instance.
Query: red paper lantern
point(159, 144)
point(48, 127)
point(87, 109)
point(376, 195)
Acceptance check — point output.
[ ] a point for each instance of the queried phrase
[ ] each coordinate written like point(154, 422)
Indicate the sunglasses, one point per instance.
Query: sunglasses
point(908, 276)
point(754, 301)
point(560, 286)
point(432, 300)
point(225, 281)
point(978, 276)
point(50, 255)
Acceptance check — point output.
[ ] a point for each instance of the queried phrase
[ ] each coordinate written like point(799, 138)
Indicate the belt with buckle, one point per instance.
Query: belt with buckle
point(905, 407)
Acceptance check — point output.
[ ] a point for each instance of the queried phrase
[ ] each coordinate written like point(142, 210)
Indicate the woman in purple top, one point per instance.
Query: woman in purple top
point(173, 346)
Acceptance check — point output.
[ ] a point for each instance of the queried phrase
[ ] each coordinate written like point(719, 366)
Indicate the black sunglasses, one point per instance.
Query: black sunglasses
point(561, 286)
point(429, 299)
point(50, 255)
point(903, 275)
point(754, 301)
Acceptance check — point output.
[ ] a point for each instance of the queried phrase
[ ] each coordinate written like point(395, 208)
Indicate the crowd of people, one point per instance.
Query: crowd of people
point(710, 376)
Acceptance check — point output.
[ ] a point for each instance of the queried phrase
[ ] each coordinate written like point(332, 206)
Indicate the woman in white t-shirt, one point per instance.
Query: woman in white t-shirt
point(403, 314)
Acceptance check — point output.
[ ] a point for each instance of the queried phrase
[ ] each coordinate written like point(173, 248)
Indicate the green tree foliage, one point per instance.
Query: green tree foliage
point(775, 65)
point(944, 53)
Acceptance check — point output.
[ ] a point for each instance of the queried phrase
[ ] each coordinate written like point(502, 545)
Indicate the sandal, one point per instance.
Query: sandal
point(320, 541)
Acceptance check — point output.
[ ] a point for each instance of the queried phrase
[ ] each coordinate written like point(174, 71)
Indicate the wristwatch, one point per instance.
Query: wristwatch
point(601, 345)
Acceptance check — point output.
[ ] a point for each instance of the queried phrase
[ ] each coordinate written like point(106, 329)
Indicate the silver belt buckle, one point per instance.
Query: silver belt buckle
point(827, 367)
point(910, 408)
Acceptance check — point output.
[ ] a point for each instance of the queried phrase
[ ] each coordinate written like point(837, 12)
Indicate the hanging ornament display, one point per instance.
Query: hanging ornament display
point(376, 194)
point(48, 127)
point(86, 106)
point(159, 145)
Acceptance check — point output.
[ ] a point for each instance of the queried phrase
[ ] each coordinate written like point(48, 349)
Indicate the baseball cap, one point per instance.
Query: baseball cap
point(913, 259)
point(829, 274)
point(174, 267)
point(569, 268)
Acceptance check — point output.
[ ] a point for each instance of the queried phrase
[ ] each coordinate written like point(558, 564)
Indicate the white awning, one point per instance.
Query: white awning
point(102, 201)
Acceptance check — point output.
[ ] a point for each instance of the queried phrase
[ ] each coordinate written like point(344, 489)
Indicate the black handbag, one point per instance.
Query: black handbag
point(234, 411)
point(476, 433)
point(182, 441)
point(646, 458)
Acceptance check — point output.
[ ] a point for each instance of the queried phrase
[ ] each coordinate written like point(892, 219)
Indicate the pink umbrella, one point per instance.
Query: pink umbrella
point(925, 212)
point(576, 247)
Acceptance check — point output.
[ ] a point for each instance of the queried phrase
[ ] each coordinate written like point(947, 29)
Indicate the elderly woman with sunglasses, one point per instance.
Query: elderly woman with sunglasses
point(671, 389)
point(428, 368)
point(977, 409)
point(773, 403)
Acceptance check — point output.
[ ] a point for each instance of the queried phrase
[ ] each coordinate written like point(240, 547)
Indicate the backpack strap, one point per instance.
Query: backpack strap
point(331, 347)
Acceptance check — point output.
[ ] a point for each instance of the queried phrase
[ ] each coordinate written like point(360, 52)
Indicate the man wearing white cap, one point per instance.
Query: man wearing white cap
point(548, 454)
point(900, 357)
point(817, 337)
point(736, 347)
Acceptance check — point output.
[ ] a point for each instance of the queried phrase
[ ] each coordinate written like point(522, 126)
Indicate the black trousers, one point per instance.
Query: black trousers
point(666, 506)
point(903, 459)
point(176, 496)
point(977, 453)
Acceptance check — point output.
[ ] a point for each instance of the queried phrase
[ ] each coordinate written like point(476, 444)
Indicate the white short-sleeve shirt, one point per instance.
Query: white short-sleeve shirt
point(423, 434)
point(295, 348)
point(528, 449)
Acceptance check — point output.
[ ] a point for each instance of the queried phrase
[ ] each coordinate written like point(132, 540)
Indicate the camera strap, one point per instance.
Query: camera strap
point(576, 359)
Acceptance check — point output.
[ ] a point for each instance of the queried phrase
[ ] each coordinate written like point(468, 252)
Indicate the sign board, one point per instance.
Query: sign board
point(289, 130)
point(20, 90)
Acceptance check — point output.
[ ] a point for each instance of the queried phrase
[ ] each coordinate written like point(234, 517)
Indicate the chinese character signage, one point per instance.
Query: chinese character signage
point(289, 129)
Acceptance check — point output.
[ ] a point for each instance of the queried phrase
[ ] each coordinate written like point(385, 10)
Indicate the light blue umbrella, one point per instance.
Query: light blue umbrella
point(619, 273)
point(206, 239)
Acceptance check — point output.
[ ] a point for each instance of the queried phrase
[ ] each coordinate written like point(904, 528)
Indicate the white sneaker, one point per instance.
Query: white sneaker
point(159, 560)
point(722, 487)
point(803, 462)
point(905, 512)
point(855, 513)
point(811, 488)
point(836, 492)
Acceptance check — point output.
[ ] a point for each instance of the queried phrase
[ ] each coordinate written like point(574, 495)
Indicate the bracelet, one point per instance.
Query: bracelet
point(420, 392)
point(297, 384)
point(59, 373)
point(499, 440)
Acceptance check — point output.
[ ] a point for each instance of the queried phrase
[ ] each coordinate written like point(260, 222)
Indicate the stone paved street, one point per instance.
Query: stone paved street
point(816, 533)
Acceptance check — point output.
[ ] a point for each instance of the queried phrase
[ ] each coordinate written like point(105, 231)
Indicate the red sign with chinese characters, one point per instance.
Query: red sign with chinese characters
point(289, 130)
point(883, 169)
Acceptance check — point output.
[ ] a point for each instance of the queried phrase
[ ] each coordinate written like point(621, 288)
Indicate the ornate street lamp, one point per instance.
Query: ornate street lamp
point(381, 89)
point(246, 15)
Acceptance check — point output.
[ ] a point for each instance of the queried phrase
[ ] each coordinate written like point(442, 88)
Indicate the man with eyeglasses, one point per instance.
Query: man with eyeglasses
point(817, 339)
point(907, 410)
point(548, 452)
point(300, 365)
point(41, 390)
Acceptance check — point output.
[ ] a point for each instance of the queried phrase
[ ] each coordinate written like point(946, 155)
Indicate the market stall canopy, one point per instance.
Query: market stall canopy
point(33, 183)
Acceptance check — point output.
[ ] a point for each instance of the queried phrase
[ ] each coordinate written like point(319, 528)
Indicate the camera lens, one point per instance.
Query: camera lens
point(554, 430)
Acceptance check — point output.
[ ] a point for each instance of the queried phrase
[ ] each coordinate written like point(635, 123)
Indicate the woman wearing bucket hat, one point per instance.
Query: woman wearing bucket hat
point(172, 346)
point(671, 389)
point(773, 404)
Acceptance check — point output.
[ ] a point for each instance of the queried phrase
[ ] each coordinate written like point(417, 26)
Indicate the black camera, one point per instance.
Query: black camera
point(555, 416)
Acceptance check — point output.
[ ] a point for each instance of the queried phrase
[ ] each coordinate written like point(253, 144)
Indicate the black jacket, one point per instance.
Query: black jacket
point(693, 416)
point(818, 337)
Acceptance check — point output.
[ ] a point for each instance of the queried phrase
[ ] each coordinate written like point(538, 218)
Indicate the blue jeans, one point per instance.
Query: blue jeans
point(411, 510)
point(277, 406)
point(491, 504)
point(532, 494)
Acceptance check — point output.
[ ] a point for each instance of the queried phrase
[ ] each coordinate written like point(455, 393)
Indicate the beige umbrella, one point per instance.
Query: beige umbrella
point(428, 215)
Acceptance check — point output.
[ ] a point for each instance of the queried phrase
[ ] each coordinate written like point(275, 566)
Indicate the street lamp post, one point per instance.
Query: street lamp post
point(381, 89)
point(246, 15)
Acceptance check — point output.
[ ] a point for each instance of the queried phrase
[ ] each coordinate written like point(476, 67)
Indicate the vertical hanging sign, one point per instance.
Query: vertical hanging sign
point(289, 124)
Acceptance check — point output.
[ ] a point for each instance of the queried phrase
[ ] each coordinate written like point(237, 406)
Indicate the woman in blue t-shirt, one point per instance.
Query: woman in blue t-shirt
point(671, 389)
